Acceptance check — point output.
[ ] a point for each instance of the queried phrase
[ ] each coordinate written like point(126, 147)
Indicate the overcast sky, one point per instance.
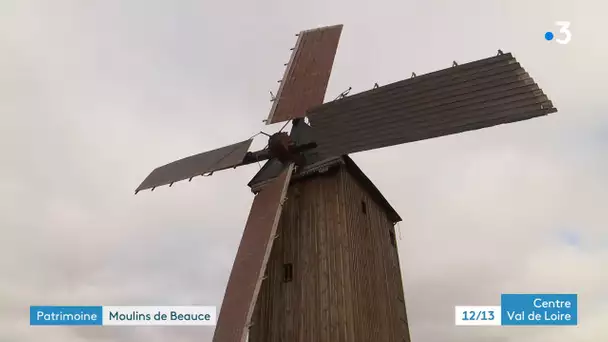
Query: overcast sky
point(95, 94)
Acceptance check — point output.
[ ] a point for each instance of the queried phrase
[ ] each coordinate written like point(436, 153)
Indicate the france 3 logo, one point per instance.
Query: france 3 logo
point(564, 32)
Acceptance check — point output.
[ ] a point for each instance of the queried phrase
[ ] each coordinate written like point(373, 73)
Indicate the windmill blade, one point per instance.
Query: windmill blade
point(196, 165)
point(466, 97)
point(307, 74)
point(250, 263)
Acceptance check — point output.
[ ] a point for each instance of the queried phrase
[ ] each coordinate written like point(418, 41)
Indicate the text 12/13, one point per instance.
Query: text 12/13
point(477, 315)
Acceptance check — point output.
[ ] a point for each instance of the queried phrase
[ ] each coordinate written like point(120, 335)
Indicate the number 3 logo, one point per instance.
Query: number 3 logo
point(564, 29)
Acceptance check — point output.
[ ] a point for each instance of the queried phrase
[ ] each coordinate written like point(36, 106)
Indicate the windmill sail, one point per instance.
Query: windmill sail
point(307, 74)
point(196, 165)
point(250, 263)
point(471, 96)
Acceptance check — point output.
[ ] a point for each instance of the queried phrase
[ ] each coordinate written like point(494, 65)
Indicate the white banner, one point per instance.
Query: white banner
point(477, 315)
point(159, 315)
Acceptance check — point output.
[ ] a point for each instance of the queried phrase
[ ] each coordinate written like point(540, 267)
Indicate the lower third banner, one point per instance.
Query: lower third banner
point(522, 309)
point(123, 315)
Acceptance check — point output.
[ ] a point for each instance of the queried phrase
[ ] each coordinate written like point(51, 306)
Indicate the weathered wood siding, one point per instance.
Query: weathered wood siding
point(346, 283)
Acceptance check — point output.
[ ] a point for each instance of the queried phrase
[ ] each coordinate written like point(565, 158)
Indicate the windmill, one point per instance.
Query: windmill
point(318, 259)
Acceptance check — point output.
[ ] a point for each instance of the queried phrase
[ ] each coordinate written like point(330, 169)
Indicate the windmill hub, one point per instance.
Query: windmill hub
point(282, 147)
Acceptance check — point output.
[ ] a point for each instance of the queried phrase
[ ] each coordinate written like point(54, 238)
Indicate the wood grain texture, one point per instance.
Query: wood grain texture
point(251, 259)
point(307, 74)
point(346, 282)
point(471, 96)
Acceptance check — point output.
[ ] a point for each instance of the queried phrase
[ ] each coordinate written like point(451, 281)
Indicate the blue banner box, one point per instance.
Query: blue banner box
point(539, 309)
point(66, 315)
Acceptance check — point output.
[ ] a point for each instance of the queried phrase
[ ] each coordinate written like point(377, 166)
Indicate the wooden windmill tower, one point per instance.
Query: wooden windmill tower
point(318, 259)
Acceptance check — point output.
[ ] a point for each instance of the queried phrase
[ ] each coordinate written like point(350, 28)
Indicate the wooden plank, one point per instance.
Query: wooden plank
point(456, 100)
point(287, 293)
point(347, 249)
point(323, 270)
point(196, 165)
point(251, 259)
point(307, 74)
